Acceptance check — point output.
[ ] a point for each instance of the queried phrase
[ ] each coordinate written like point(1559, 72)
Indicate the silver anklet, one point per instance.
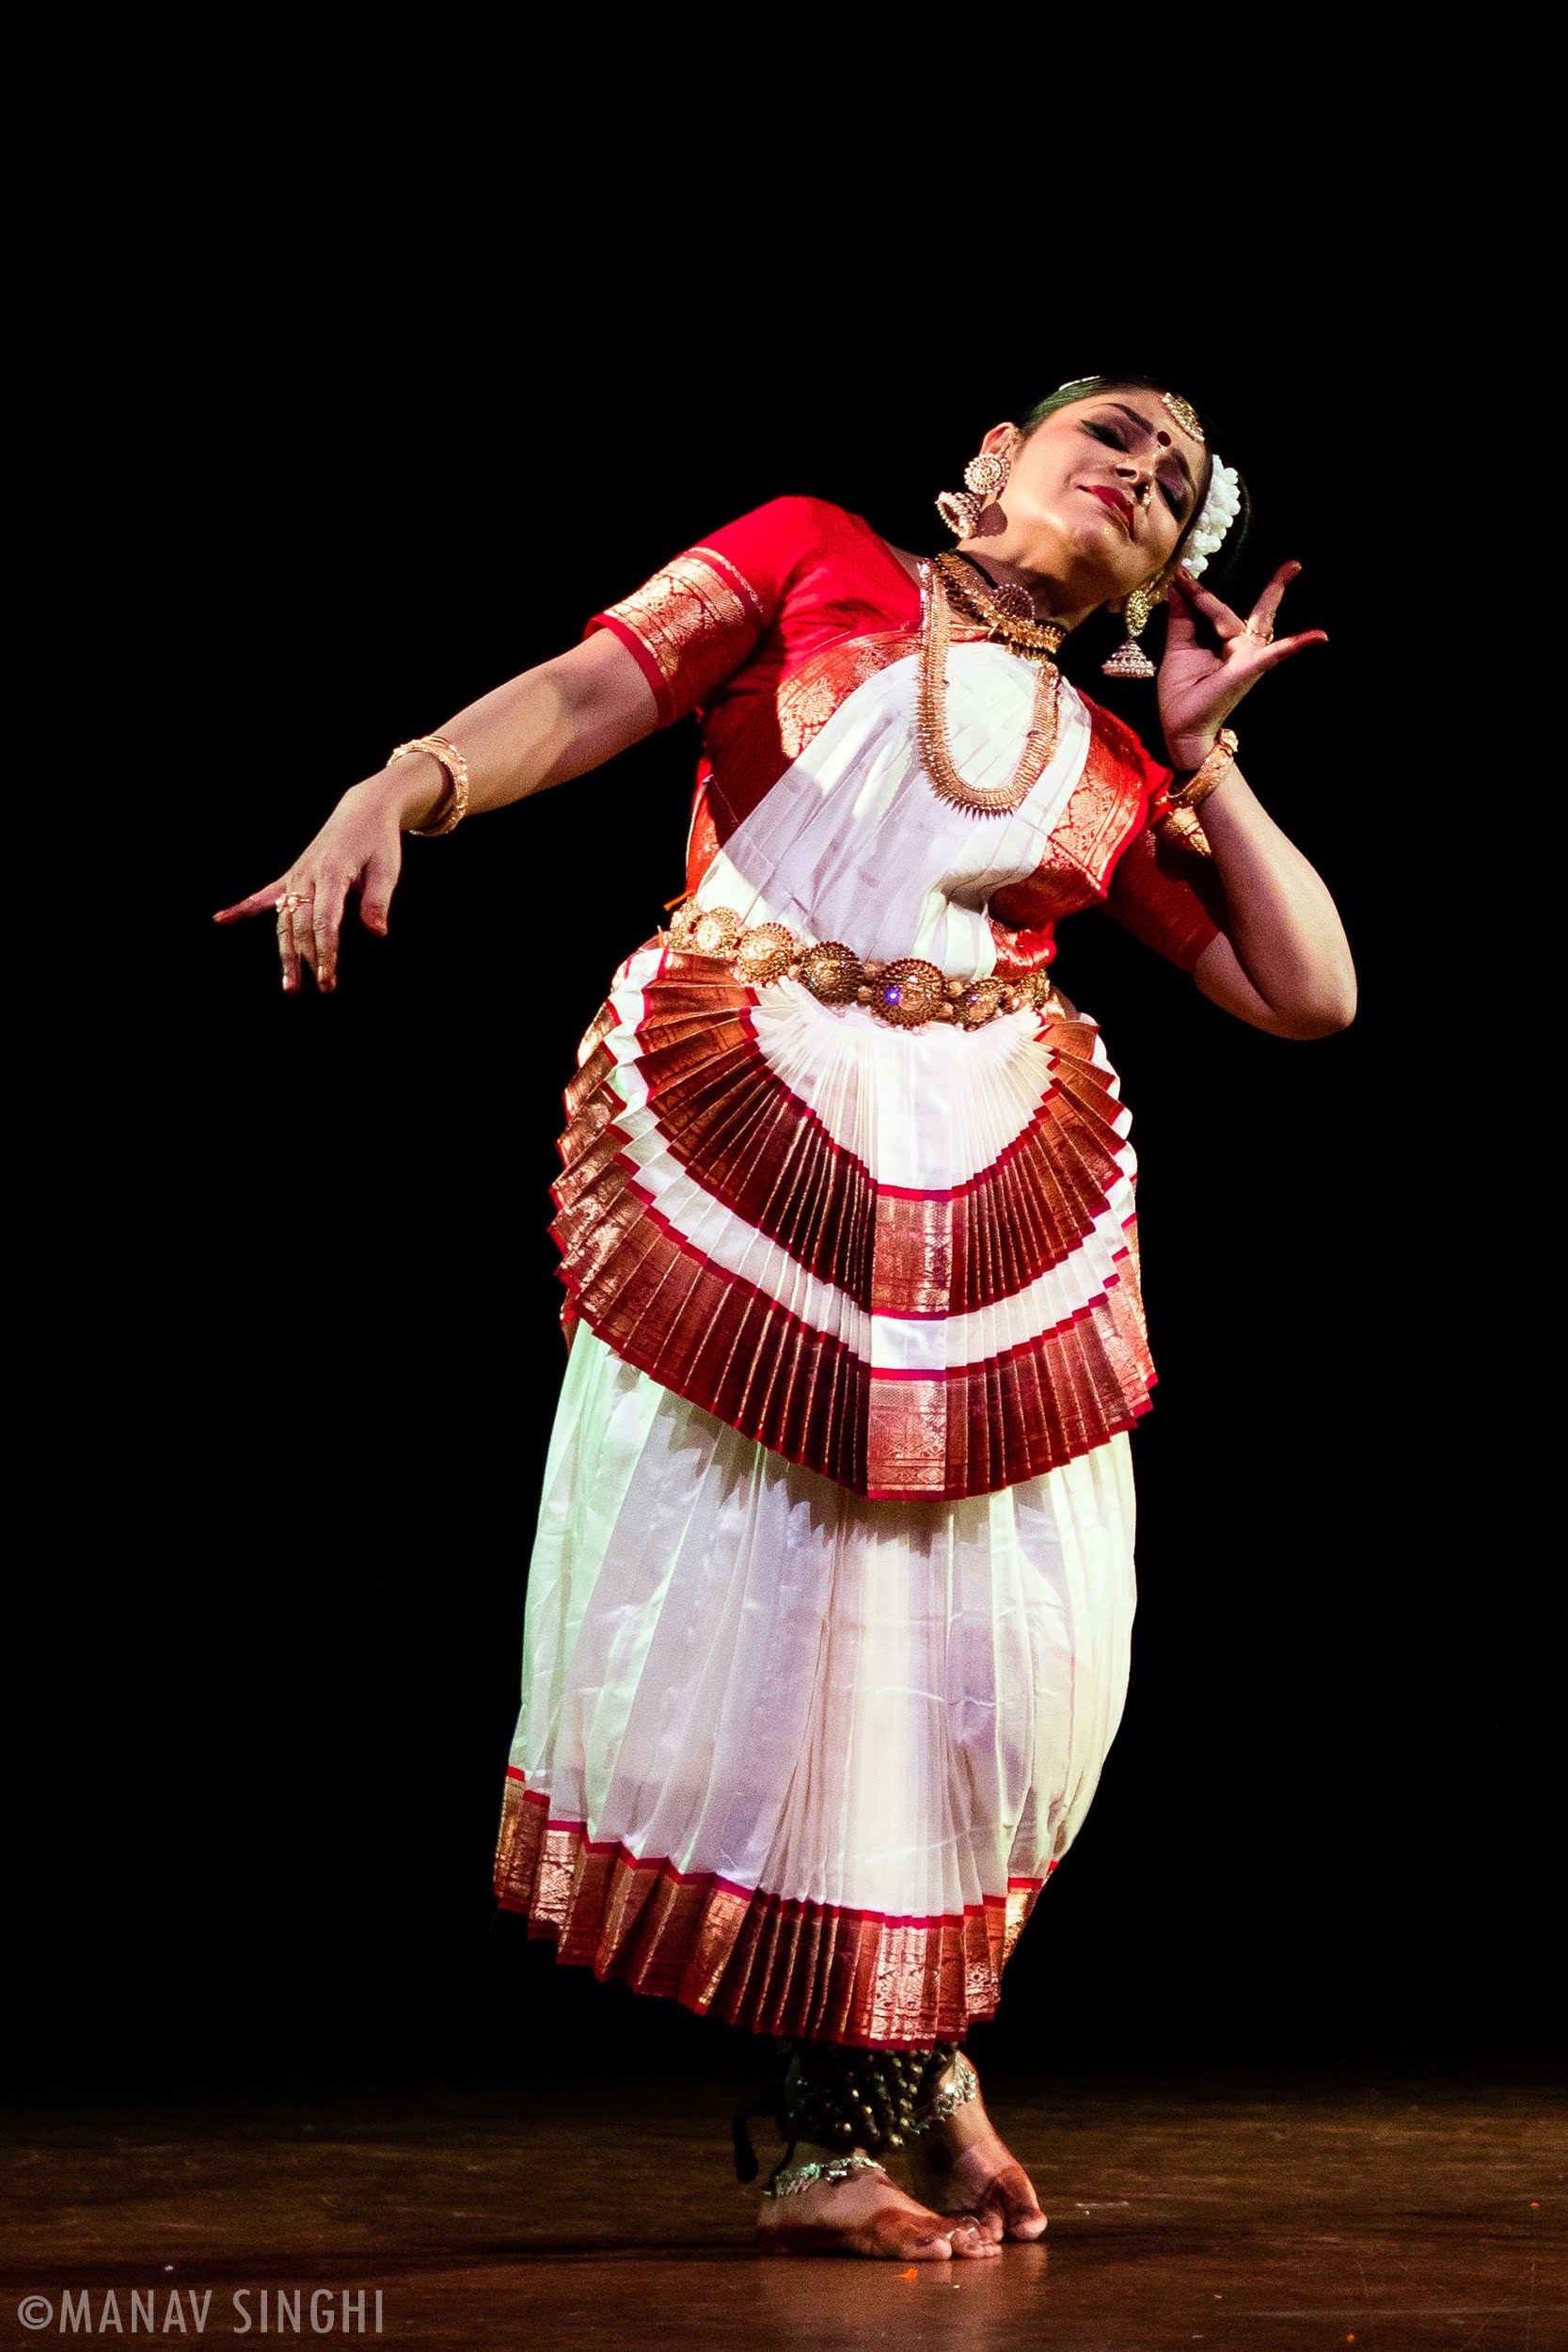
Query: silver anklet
point(959, 2094)
point(790, 2178)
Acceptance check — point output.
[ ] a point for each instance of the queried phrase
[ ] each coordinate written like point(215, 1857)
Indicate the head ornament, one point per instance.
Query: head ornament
point(1186, 417)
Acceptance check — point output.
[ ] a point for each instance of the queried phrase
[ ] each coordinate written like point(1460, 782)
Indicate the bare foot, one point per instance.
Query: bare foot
point(963, 2167)
point(868, 2215)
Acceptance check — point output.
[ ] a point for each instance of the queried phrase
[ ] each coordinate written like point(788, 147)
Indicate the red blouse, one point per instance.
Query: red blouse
point(764, 629)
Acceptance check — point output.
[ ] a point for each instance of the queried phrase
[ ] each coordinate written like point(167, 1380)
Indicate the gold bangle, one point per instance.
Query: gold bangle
point(455, 769)
point(1203, 779)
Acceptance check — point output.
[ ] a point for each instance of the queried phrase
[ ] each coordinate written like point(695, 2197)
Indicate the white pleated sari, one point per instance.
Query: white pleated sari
point(799, 1748)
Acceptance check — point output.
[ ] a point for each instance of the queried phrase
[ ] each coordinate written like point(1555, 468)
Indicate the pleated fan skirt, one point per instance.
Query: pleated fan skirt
point(798, 1757)
point(905, 1258)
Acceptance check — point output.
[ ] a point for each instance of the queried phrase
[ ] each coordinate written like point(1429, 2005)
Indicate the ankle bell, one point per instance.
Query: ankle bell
point(842, 2097)
point(941, 2104)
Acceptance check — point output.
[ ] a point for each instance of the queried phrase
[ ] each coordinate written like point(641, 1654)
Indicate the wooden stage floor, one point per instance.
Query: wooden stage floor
point(1402, 2216)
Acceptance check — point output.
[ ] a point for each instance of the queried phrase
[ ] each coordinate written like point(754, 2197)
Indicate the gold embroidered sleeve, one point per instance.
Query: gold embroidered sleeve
point(690, 628)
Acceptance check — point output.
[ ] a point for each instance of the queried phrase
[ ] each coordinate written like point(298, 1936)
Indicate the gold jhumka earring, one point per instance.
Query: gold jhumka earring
point(1130, 660)
point(984, 476)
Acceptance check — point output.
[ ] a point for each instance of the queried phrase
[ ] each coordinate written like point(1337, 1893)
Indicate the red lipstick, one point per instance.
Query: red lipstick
point(1118, 505)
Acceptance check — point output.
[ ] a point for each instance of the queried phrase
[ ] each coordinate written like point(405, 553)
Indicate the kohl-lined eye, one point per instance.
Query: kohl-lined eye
point(1174, 494)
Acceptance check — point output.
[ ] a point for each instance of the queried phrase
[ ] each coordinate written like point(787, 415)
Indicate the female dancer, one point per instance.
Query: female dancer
point(829, 1612)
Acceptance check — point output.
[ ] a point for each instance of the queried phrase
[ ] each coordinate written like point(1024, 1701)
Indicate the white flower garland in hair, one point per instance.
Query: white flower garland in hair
point(1220, 510)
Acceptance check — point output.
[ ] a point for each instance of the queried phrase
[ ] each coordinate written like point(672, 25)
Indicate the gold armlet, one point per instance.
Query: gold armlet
point(453, 806)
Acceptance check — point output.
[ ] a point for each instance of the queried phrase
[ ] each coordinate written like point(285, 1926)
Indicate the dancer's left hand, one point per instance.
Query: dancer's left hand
point(1200, 685)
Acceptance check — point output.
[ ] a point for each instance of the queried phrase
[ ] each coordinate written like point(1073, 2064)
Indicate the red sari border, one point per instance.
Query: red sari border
point(746, 1138)
point(733, 1348)
point(770, 1963)
point(945, 1434)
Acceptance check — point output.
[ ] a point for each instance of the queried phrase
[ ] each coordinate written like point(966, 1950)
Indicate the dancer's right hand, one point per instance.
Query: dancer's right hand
point(359, 848)
point(559, 720)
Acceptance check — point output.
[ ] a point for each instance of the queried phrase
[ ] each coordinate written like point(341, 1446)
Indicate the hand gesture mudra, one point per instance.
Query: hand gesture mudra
point(359, 848)
point(1201, 684)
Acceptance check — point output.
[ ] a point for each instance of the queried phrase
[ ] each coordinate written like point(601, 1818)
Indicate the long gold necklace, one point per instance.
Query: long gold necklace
point(936, 637)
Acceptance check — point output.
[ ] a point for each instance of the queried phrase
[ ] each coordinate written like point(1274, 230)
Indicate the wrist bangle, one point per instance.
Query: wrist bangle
point(1203, 779)
point(453, 804)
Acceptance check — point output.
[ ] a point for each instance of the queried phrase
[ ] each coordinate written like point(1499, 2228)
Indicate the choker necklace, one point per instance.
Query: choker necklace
point(997, 606)
point(936, 637)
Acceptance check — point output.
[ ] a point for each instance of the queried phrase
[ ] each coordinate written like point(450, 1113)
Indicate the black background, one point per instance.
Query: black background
point(335, 470)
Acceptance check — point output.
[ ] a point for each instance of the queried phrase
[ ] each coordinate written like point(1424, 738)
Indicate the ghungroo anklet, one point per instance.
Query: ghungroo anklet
point(859, 2101)
point(838, 2095)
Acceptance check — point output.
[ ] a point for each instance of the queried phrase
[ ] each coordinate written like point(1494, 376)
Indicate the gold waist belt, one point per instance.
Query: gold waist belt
point(907, 992)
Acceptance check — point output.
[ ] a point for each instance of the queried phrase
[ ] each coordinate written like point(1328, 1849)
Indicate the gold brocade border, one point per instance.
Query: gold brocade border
point(1100, 811)
point(808, 697)
point(956, 1433)
point(785, 723)
point(692, 622)
point(743, 1355)
point(1095, 821)
point(758, 1961)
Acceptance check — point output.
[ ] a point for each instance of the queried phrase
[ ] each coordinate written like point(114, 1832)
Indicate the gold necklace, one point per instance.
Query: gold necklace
point(961, 580)
point(1000, 800)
